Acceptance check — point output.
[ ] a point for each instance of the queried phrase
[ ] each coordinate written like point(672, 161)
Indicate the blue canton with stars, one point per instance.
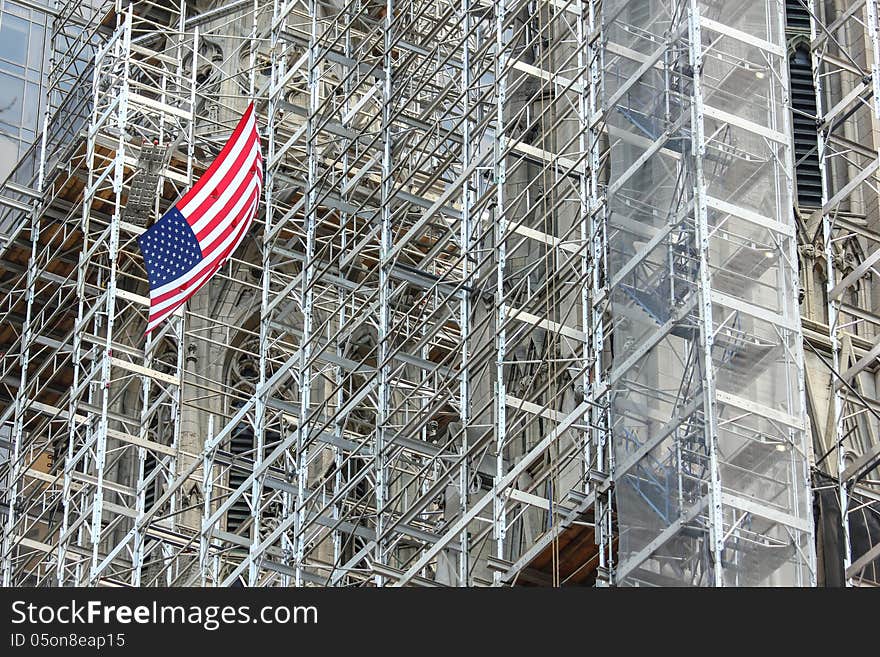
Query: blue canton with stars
point(170, 248)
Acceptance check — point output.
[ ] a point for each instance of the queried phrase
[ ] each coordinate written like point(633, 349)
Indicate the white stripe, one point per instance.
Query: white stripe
point(193, 274)
point(244, 195)
point(189, 274)
point(224, 167)
point(234, 186)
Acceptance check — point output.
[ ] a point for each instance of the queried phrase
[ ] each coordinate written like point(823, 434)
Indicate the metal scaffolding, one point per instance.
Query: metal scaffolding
point(710, 443)
point(520, 306)
point(846, 68)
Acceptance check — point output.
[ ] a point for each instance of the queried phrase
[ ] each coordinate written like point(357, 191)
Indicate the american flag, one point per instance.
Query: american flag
point(191, 241)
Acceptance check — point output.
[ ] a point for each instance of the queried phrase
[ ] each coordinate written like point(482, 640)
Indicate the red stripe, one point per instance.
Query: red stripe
point(231, 225)
point(170, 309)
point(237, 240)
point(243, 159)
point(224, 211)
point(222, 156)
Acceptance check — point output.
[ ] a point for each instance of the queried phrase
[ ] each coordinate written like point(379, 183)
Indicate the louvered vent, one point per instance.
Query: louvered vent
point(150, 464)
point(240, 443)
point(797, 18)
point(803, 105)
